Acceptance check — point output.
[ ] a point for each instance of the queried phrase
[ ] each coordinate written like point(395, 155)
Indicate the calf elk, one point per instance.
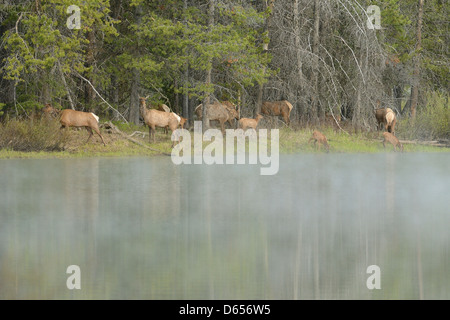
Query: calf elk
point(320, 138)
point(389, 137)
point(245, 123)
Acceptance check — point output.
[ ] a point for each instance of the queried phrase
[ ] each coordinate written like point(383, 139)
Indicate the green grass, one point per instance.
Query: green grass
point(291, 141)
point(340, 142)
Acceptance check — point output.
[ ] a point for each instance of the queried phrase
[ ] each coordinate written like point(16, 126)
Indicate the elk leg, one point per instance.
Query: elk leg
point(101, 137)
point(90, 133)
point(154, 134)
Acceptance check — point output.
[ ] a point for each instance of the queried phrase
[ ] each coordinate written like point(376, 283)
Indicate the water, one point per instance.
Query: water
point(143, 228)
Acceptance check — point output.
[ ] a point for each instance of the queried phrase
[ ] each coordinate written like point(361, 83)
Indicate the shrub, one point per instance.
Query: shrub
point(432, 121)
point(31, 135)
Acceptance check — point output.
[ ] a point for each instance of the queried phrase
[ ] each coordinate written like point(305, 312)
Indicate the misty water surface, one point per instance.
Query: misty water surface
point(143, 228)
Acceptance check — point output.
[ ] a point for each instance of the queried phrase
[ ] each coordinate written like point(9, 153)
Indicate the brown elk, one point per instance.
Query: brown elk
point(217, 114)
point(385, 117)
point(245, 123)
point(389, 137)
point(73, 118)
point(320, 138)
point(277, 108)
point(215, 111)
point(154, 118)
point(232, 112)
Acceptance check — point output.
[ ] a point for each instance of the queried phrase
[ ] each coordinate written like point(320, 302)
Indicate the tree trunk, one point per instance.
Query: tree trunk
point(134, 98)
point(135, 85)
point(416, 77)
point(297, 50)
point(186, 113)
point(207, 99)
point(90, 57)
point(315, 72)
point(63, 79)
point(259, 97)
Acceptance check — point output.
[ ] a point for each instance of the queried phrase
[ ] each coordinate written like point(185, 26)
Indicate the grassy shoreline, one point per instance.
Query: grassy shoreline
point(290, 142)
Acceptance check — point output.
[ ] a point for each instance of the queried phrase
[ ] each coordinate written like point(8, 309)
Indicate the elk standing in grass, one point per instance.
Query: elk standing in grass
point(320, 138)
point(221, 111)
point(73, 118)
point(389, 137)
point(181, 120)
point(390, 121)
point(232, 112)
point(245, 123)
point(385, 117)
point(277, 108)
point(154, 118)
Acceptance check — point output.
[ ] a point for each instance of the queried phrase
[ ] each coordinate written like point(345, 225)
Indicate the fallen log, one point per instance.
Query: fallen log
point(428, 143)
point(433, 143)
point(115, 129)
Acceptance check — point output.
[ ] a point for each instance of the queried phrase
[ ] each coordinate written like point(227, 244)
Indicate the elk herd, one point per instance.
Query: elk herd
point(222, 111)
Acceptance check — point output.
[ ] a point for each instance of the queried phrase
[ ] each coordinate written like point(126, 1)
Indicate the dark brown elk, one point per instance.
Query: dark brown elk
point(73, 118)
point(277, 108)
point(320, 138)
point(380, 115)
point(389, 137)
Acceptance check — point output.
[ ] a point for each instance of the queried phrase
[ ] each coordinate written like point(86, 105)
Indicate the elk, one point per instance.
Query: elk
point(73, 118)
point(165, 108)
point(217, 114)
point(385, 117)
point(215, 111)
point(154, 118)
point(48, 112)
point(390, 121)
point(232, 112)
point(245, 123)
point(389, 137)
point(181, 123)
point(277, 108)
point(320, 138)
point(380, 115)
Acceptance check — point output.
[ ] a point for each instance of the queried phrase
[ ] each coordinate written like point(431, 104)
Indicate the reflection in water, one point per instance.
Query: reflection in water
point(145, 228)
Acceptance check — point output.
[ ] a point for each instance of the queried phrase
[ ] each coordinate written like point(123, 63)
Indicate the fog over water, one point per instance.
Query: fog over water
point(144, 228)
